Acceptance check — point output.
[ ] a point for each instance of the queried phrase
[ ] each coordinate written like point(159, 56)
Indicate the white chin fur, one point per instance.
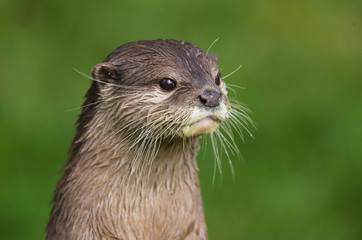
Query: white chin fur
point(202, 121)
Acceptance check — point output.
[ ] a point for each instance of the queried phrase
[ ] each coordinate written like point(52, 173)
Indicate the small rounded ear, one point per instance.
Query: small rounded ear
point(104, 71)
point(214, 57)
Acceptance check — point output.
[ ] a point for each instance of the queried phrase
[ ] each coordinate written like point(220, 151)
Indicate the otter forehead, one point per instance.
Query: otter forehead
point(162, 58)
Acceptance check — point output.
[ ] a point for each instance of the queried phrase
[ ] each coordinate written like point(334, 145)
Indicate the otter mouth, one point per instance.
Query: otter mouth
point(205, 125)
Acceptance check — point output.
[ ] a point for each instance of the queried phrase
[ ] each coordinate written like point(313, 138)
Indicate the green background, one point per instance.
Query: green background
point(301, 177)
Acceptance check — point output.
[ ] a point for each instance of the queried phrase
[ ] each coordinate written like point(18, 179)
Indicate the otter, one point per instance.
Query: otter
point(132, 171)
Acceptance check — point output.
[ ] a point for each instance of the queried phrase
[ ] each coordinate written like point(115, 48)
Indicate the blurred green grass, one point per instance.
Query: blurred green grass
point(301, 175)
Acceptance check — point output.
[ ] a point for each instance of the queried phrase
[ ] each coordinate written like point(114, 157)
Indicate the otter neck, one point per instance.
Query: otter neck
point(166, 162)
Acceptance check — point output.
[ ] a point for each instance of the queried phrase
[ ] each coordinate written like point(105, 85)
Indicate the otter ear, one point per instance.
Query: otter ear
point(214, 57)
point(105, 71)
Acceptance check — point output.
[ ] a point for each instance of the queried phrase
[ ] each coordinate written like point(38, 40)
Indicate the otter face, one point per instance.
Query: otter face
point(162, 88)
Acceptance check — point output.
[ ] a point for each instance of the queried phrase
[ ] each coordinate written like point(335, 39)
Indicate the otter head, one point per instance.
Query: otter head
point(161, 89)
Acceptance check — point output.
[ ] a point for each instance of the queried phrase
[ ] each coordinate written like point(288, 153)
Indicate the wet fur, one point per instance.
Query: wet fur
point(131, 173)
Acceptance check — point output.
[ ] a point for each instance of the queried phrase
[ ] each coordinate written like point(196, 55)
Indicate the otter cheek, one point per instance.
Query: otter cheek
point(204, 126)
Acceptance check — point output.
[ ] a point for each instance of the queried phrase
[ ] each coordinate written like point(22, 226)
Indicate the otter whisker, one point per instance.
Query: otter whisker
point(146, 137)
point(227, 128)
point(175, 131)
point(204, 146)
point(165, 129)
point(154, 146)
point(227, 141)
point(222, 140)
point(240, 106)
point(231, 89)
point(231, 144)
point(212, 44)
point(137, 160)
point(237, 69)
point(243, 117)
point(222, 144)
point(155, 143)
point(217, 157)
point(136, 140)
point(148, 148)
point(235, 86)
point(242, 111)
point(152, 152)
point(240, 121)
point(90, 104)
point(144, 117)
point(176, 127)
point(237, 128)
point(138, 120)
point(107, 83)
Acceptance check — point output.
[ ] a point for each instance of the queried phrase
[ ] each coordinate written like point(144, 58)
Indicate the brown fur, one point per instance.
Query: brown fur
point(131, 174)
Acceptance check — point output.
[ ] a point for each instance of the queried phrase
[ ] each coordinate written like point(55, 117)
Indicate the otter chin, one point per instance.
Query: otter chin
point(132, 170)
point(205, 125)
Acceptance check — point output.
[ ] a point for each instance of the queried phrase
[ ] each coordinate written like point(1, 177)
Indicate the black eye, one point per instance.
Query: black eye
point(167, 84)
point(217, 79)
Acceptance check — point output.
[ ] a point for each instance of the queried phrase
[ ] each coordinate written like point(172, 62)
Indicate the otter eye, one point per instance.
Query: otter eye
point(167, 84)
point(217, 79)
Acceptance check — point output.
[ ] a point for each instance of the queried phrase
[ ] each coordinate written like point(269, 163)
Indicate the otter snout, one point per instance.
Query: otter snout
point(209, 98)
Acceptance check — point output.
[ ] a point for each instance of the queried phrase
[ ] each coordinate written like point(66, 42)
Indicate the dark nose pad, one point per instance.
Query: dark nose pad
point(210, 98)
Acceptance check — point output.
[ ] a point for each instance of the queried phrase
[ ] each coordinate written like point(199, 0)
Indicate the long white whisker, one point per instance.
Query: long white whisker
point(217, 156)
point(90, 104)
point(139, 119)
point(237, 69)
point(235, 86)
point(231, 89)
point(232, 146)
point(221, 137)
point(237, 129)
point(239, 121)
point(244, 117)
point(100, 81)
point(212, 44)
point(239, 105)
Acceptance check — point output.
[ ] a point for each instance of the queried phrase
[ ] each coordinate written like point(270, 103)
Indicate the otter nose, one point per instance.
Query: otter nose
point(210, 98)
